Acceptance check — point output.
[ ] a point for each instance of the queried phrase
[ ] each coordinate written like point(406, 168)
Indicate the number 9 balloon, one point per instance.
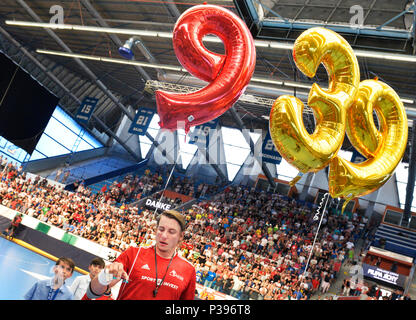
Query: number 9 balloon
point(228, 75)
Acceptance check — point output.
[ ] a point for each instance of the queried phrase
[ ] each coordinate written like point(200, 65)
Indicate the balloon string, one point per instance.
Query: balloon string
point(167, 182)
point(316, 217)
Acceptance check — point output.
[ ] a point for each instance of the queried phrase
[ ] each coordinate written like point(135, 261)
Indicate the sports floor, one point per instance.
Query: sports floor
point(20, 268)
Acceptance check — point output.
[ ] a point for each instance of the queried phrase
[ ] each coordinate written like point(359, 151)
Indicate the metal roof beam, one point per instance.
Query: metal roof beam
point(113, 37)
point(77, 60)
point(58, 82)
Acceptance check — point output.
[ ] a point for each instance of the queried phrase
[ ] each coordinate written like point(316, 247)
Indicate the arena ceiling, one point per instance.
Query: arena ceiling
point(386, 29)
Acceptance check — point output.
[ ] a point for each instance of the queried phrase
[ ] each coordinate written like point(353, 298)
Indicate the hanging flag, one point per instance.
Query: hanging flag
point(141, 121)
point(86, 109)
point(269, 152)
point(200, 135)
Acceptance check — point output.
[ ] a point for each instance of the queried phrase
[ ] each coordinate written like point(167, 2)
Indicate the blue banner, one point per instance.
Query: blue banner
point(388, 277)
point(141, 121)
point(200, 135)
point(269, 152)
point(86, 109)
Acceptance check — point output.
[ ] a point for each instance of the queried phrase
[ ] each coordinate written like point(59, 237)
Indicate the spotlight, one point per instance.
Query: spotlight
point(126, 51)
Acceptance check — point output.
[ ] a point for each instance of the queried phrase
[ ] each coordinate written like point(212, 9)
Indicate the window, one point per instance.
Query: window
point(37, 155)
point(402, 173)
point(62, 135)
point(286, 171)
point(50, 147)
point(12, 152)
point(66, 119)
point(186, 150)
point(153, 129)
point(67, 137)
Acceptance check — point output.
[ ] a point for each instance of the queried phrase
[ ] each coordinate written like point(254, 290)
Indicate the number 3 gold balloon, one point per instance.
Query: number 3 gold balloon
point(313, 152)
point(347, 106)
point(383, 148)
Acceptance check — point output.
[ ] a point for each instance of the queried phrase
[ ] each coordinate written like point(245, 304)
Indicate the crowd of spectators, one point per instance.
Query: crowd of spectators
point(183, 186)
point(254, 245)
point(246, 243)
point(132, 187)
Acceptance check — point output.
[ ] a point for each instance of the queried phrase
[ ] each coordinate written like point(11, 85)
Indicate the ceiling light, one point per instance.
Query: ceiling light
point(67, 54)
point(268, 81)
point(258, 43)
point(297, 85)
point(280, 45)
point(132, 32)
point(112, 60)
point(126, 51)
point(174, 68)
point(385, 56)
point(407, 101)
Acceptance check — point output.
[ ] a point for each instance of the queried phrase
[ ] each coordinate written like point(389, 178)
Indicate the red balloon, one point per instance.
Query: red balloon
point(228, 75)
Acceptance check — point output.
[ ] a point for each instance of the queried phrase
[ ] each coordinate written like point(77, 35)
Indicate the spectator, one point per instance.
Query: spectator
point(14, 225)
point(54, 288)
point(346, 288)
point(80, 285)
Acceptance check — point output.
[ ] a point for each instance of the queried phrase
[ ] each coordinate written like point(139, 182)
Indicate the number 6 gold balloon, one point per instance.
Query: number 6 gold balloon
point(384, 148)
point(313, 152)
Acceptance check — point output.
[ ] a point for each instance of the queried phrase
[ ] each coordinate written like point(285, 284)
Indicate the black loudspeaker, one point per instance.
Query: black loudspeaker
point(25, 106)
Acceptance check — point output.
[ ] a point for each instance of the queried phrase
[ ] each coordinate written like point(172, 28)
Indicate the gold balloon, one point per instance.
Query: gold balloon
point(346, 106)
point(384, 148)
point(361, 130)
point(312, 152)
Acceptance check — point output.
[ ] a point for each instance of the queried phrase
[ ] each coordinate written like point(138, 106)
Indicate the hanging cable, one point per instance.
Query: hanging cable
point(8, 87)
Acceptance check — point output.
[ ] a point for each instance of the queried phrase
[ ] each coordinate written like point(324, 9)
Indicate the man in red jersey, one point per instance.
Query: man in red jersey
point(140, 267)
